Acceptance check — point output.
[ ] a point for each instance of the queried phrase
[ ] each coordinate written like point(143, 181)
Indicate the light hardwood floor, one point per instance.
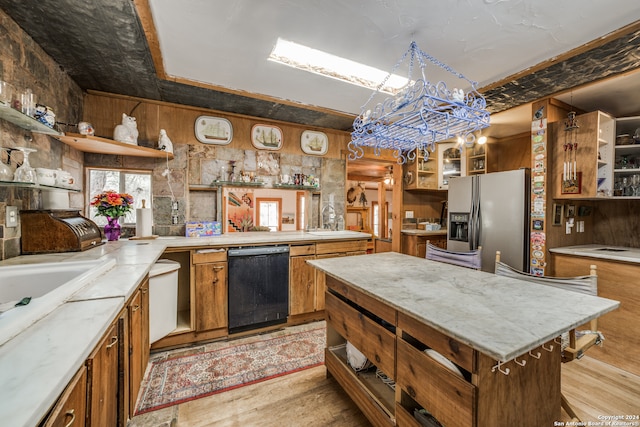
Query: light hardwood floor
point(309, 399)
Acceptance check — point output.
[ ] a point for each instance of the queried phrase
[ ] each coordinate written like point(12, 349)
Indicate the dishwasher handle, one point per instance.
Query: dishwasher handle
point(257, 250)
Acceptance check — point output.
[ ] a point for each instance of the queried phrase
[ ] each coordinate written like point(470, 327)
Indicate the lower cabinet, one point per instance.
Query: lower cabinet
point(416, 245)
point(210, 290)
point(70, 411)
point(434, 376)
point(302, 280)
point(105, 389)
point(103, 372)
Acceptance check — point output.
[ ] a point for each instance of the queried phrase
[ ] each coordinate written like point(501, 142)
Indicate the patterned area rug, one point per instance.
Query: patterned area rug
point(176, 378)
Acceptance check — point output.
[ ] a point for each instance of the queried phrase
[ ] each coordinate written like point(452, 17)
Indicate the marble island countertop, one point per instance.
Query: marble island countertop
point(498, 316)
point(37, 364)
point(612, 253)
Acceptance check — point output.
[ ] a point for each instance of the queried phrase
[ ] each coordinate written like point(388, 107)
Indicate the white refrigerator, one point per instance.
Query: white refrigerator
point(492, 211)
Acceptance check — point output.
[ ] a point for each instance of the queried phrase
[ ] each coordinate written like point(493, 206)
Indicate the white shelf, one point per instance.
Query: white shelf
point(25, 122)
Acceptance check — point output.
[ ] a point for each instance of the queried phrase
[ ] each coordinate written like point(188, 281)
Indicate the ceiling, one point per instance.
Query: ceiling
point(212, 53)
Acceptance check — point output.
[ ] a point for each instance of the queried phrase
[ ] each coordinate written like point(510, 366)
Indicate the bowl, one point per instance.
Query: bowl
point(623, 139)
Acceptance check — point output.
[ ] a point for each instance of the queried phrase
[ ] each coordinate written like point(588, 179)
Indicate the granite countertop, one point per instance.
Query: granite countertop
point(498, 316)
point(418, 232)
point(612, 253)
point(37, 364)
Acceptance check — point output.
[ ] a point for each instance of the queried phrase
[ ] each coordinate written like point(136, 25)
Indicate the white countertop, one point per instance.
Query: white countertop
point(613, 253)
point(418, 232)
point(496, 315)
point(37, 364)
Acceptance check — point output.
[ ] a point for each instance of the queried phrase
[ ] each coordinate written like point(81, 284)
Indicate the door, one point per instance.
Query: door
point(302, 285)
point(102, 368)
point(211, 296)
point(504, 218)
point(459, 207)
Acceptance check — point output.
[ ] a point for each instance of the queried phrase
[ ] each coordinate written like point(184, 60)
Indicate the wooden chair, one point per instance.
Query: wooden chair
point(575, 342)
point(471, 259)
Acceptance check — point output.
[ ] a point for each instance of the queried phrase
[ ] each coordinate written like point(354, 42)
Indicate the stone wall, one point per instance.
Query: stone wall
point(24, 64)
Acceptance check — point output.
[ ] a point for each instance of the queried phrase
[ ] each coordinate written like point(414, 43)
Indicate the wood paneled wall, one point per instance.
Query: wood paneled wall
point(104, 112)
point(509, 153)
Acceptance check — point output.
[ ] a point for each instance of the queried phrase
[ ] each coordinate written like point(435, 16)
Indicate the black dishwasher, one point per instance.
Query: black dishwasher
point(258, 287)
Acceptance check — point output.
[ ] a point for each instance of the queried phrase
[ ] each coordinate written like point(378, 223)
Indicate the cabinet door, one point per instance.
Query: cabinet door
point(451, 163)
point(211, 296)
point(71, 407)
point(102, 369)
point(302, 285)
point(136, 348)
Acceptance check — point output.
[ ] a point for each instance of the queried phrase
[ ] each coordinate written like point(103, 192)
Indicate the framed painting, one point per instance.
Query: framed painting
point(266, 137)
point(213, 130)
point(313, 142)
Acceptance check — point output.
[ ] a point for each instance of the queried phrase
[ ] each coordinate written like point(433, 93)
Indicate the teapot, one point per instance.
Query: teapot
point(64, 178)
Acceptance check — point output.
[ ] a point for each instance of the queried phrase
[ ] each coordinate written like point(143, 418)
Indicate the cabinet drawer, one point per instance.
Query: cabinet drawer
point(380, 309)
point(374, 341)
point(302, 250)
point(459, 353)
point(202, 256)
point(343, 246)
point(444, 394)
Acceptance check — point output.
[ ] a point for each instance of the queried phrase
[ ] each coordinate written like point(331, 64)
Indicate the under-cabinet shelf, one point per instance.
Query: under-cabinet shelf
point(96, 144)
point(35, 186)
point(25, 122)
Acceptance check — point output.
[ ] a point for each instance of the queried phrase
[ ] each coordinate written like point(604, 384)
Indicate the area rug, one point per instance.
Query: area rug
point(173, 380)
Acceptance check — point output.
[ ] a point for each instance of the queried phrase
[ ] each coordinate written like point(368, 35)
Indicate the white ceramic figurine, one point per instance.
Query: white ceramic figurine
point(127, 132)
point(164, 143)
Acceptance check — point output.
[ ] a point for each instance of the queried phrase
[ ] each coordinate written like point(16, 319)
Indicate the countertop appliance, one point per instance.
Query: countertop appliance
point(492, 211)
point(258, 287)
point(52, 231)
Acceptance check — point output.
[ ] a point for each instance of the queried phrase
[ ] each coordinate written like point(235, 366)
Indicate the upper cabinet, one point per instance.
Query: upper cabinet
point(477, 159)
point(626, 173)
point(583, 157)
point(422, 173)
point(452, 163)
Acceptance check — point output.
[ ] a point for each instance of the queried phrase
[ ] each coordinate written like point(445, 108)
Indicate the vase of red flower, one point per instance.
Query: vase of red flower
point(112, 205)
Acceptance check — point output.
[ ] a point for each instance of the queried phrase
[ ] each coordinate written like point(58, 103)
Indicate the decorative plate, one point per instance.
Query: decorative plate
point(443, 361)
point(266, 137)
point(313, 142)
point(213, 130)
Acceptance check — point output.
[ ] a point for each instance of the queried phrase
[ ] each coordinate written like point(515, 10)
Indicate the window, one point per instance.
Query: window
point(136, 183)
point(376, 218)
point(269, 213)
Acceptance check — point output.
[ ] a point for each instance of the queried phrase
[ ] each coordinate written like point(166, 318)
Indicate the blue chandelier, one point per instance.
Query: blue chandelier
point(419, 115)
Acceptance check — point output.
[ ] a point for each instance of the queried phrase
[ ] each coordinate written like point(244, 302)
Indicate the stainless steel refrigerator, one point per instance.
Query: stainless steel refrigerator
point(492, 211)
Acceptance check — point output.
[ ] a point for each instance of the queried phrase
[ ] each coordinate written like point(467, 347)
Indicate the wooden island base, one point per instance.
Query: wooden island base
point(395, 342)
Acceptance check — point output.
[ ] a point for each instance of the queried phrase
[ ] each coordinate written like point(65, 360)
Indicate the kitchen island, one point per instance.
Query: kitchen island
point(37, 364)
point(618, 270)
point(500, 334)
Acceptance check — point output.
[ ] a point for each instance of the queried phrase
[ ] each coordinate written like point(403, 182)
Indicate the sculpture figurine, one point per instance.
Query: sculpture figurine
point(164, 143)
point(127, 132)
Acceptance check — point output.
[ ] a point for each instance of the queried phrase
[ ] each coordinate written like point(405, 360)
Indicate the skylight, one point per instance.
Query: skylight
point(325, 64)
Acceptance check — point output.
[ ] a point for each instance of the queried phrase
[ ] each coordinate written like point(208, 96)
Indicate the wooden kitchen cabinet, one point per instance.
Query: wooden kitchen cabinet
point(302, 280)
point(102, 384)
point(138, 343)
point(422, 173)
point(452, 163)
point(416, 245)
point(477, 159)
point(593, 159)
point(211, 290)
point(70, 410)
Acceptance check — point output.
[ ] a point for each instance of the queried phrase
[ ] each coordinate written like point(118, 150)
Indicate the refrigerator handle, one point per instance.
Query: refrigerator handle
point(475, 219)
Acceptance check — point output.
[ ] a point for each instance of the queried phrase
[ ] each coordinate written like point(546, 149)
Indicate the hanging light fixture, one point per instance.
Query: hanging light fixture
point(419, 115)
point(388, 178)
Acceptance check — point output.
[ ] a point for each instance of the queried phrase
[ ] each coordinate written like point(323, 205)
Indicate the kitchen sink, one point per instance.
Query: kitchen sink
point(332, 233)
point(612, 249)
point(47, 284)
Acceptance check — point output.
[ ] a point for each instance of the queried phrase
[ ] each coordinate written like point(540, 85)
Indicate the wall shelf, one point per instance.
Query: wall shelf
point(96, 144)
point(25, 122)
point(35, 186)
